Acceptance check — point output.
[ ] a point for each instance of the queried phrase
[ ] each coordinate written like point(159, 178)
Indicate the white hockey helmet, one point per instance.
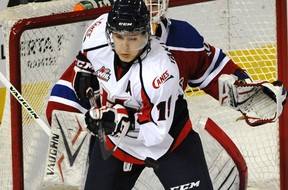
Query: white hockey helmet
point(158, 9)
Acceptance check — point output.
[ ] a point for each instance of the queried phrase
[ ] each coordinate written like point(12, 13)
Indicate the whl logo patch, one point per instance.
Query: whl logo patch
point(103, 73)
point(158, 81)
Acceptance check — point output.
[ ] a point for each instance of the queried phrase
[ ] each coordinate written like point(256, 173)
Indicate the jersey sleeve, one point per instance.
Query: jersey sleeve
point(200, 63)
point(94, 36)
point(212, 63)
point(63, 96)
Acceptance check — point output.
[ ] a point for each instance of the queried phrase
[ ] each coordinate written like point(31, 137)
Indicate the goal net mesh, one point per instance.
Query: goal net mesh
point(245, 30)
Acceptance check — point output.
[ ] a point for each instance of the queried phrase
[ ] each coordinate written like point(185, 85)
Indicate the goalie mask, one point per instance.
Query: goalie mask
point(129, 17)
point(158, 11)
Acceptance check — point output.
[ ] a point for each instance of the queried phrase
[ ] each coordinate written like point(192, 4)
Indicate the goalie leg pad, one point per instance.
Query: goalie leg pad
point(227, 167)
point(67, 156)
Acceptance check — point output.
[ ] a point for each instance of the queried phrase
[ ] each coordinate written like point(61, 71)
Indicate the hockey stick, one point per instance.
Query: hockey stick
point(106, 153)
point(24, 103)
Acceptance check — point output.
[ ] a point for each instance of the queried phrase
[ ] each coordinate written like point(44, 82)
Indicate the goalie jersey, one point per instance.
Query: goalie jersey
point(200, 64)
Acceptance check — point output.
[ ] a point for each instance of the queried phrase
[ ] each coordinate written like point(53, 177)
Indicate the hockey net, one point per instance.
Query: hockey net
point(245, 30)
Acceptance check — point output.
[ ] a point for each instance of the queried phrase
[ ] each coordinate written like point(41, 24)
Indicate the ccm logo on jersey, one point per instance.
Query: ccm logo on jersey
point(103, 73)
point(186, 186)
point(158, 81)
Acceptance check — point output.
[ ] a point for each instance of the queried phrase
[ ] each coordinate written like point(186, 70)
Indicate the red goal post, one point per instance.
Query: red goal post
point(282, 36)
point(71, 17)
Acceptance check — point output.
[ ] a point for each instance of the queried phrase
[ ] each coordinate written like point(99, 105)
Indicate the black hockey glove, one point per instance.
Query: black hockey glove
point(84, 78)
point(113, 120)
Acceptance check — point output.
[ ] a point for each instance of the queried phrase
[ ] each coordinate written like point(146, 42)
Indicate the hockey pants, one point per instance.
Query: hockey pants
point(184, 168)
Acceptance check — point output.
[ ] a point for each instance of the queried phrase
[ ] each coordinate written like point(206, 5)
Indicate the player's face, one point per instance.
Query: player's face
point(129, 46)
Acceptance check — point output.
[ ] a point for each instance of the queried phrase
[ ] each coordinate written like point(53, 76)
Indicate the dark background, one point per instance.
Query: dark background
point(17, 2)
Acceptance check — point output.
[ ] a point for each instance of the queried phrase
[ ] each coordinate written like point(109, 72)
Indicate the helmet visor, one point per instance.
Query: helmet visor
point(128, 41)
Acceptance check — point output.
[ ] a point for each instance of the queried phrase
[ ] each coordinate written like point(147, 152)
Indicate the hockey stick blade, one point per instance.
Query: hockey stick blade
point(25, 104)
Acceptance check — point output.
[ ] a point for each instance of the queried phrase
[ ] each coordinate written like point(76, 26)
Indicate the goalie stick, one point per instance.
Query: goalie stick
point(106, 153)
point(24, 103)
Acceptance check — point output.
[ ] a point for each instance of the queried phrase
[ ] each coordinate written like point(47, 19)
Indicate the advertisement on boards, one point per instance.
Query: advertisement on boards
point(3, 5)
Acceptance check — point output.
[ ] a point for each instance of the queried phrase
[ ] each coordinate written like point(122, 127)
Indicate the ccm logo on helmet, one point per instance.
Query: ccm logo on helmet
point(158, 81)
point(125, 24)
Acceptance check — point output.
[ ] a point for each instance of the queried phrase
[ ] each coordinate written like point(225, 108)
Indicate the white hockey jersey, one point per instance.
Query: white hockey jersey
point(149, 89)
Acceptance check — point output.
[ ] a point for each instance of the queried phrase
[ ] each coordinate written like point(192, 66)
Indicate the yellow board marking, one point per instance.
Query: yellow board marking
point(2, 102)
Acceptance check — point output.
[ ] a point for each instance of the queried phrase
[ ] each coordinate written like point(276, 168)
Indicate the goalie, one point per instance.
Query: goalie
point(200, 65)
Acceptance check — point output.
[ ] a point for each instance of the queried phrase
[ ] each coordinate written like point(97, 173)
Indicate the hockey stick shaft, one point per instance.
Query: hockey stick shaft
point(24, 103)
point(106, 153)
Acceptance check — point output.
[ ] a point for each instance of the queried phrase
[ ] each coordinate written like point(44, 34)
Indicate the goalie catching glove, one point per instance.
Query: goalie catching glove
point(84, 79)
point(114, 120)
point(259, 103)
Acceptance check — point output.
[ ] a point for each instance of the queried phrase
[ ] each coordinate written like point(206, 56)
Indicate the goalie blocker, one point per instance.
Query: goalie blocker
point(259, 102)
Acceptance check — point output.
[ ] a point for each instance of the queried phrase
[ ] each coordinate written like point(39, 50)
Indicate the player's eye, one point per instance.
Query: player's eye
point(132, 39)
point(119, 37)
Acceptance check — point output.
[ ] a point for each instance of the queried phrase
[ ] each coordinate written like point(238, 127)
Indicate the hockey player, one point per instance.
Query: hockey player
point(139, 88)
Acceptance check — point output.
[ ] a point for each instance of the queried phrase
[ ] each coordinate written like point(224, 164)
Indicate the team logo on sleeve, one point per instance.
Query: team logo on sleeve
point(103, 73)
point(158, 81)
point(90, 30)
